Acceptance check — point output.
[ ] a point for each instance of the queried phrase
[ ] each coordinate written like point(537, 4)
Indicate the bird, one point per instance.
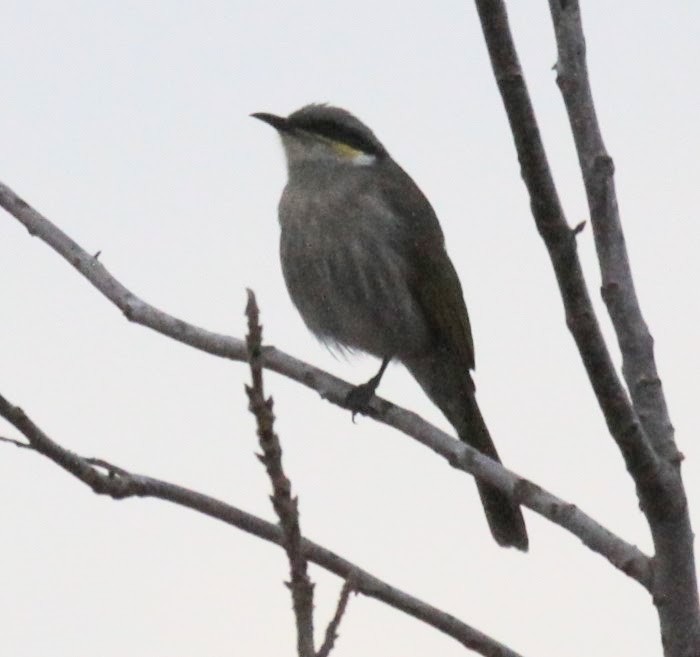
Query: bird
point(364, 261)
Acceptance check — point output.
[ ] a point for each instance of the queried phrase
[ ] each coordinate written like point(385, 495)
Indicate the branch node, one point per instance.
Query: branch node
point(578, 228)
point(603, 164)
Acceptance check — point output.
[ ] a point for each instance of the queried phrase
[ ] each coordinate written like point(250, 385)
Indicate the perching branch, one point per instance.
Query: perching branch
point(627, 558)
point(107, 479)
point(664, 502)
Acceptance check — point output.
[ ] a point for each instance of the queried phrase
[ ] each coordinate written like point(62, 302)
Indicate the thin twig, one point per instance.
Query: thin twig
point(16, 443)
point(621, 554)
point(286, 507)
point(332, 629)
point(119, 484)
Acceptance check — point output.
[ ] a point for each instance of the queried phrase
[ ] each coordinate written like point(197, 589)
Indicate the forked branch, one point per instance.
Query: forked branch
point(107, 479)
point(664, 502)
point(636, 344)
point(560, 240)
point(640, 427)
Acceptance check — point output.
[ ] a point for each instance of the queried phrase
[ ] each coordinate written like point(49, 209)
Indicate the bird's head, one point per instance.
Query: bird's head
point(325, 134)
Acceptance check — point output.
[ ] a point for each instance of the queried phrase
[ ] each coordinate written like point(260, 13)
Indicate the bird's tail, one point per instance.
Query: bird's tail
point(452, 391)
point(503, 515)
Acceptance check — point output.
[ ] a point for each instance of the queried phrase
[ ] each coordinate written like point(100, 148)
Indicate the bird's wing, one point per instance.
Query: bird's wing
point(434, 281)
point(438, 291)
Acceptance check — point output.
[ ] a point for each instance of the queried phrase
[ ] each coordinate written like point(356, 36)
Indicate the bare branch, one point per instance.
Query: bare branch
point(332, 629)
point(621, 418)
point(286, 507)
point(621, 554)
point(642, 429)
point(120, 484)
point(636, 344)
point(664, 500)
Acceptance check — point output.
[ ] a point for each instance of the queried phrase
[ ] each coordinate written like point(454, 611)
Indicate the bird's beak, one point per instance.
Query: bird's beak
point(277, 122)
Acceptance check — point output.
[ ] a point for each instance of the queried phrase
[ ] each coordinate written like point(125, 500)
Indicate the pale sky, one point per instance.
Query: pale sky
point(127, 124)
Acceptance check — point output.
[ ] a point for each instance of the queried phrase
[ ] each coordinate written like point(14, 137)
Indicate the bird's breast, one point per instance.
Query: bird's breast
point(346, 274)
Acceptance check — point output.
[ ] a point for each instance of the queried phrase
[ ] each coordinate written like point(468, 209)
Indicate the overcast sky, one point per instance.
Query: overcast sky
point(127, 124)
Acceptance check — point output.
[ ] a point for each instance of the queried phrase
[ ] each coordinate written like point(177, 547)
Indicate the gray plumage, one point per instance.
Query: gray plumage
point(364, 260)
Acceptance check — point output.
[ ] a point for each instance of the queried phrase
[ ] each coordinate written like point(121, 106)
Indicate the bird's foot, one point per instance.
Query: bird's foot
point(358, 399)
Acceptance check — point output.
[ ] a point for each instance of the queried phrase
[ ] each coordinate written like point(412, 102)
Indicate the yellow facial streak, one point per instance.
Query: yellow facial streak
point(345, 151)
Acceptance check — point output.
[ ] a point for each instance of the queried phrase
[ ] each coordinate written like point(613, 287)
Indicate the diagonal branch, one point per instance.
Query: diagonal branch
point(134, 309)
point(120, 484)
point(621, 418)
point(619, 553)
point(636, 344)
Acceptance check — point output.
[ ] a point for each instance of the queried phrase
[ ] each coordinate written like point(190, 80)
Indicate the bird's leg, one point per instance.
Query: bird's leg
point(357, 400)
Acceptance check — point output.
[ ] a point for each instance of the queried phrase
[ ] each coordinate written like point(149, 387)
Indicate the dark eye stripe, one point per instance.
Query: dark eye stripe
point(337, 132)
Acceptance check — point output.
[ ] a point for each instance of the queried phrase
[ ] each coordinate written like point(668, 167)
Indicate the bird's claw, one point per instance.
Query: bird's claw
point(358, 399)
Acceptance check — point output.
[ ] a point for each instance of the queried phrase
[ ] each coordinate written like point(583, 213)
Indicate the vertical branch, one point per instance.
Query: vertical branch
point(636, 344)
point(560, 240)
point(286, 506)
point(675, 584)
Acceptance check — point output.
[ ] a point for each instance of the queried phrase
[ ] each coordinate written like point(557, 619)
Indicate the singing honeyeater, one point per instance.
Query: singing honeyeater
point(364, 259)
